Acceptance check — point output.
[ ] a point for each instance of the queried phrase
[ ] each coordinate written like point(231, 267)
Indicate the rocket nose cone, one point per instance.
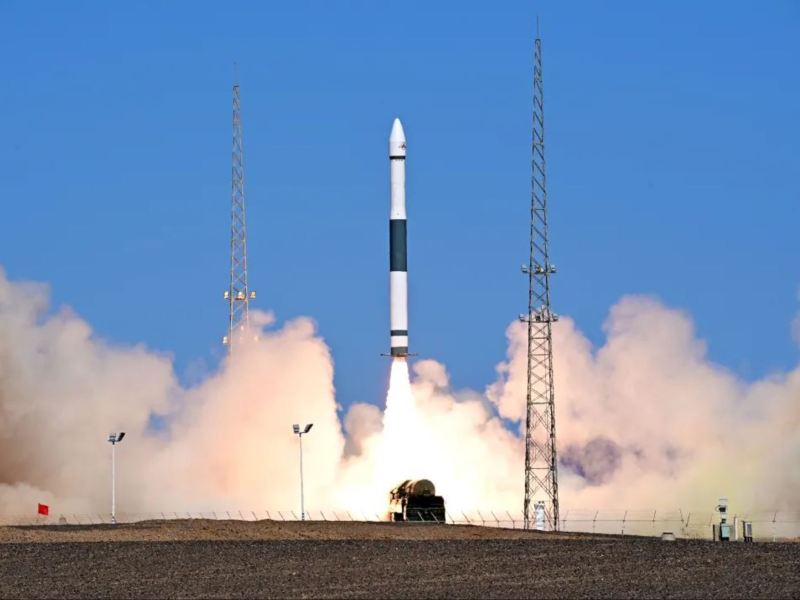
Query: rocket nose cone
point(397, 135)
point(397, 141)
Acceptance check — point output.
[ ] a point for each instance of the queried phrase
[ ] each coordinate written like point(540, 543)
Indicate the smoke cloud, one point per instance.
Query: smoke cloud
point(645, 420)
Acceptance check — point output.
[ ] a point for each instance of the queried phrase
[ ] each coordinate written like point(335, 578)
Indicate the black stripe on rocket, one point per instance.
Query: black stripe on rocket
point(398, 259)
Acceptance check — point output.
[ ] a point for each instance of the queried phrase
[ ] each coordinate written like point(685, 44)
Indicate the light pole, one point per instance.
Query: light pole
point(114, 438)
point(299, 433)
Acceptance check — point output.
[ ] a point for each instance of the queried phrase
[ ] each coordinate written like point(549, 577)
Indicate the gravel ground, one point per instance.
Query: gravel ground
point(232, 560)
point(206, 529)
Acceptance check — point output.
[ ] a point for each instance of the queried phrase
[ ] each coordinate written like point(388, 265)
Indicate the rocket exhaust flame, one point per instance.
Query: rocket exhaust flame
point(400, 424)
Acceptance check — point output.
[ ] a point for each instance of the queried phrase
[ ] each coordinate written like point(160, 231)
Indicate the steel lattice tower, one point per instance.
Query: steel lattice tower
point(238, 295)
point(541, 466)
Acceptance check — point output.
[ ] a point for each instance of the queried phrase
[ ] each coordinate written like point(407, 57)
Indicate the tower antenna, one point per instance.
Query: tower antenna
point(238, 294)
point(541, 465)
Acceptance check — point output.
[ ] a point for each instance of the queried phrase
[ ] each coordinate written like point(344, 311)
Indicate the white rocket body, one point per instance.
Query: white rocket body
point(398, 256)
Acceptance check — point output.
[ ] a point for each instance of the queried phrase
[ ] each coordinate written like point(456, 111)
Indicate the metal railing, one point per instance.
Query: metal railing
point(767, 525)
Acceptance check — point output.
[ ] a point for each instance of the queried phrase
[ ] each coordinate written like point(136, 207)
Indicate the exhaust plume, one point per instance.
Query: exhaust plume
point(645, 420)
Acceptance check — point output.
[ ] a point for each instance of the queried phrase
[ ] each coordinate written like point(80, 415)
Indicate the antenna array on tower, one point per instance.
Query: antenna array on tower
point(541, 467)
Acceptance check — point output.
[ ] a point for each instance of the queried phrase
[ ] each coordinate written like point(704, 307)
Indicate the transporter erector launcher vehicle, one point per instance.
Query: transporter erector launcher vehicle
point(398, 259)
point(416, 500)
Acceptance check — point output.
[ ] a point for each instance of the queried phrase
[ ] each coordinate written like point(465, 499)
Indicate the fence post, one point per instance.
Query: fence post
point(711, 525)
point(686, 527)
point(594, 521)
point(774, 518)
point(625, 516)
point(483, 521)
point(510, 518)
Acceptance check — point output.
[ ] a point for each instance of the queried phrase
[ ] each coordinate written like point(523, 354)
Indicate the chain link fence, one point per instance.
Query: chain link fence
point(767, 525)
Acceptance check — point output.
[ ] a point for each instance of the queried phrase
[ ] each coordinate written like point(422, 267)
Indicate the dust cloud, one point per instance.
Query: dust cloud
point(646, 420)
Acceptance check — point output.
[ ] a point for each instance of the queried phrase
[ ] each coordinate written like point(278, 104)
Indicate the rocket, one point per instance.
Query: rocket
point(398, 263)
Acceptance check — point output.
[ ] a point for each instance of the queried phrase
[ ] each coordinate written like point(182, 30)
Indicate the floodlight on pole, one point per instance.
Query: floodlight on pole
point(299, 433)
point(114, 439)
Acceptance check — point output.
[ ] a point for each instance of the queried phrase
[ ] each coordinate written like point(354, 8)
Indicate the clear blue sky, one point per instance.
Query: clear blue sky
point(673, 158)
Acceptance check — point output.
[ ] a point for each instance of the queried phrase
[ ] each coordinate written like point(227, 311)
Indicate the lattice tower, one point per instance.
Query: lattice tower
point(238, 294)
point(541, 466)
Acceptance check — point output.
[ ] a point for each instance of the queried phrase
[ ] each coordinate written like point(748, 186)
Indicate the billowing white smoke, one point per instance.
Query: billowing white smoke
point(228, 443)
point(61, 392)
point(644, 421)
point(230, 440)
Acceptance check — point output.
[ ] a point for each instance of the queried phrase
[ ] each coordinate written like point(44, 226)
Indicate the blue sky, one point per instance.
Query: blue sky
point(672, 133)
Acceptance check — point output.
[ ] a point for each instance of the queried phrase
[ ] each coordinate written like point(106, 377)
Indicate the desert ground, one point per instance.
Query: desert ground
point(269, 559)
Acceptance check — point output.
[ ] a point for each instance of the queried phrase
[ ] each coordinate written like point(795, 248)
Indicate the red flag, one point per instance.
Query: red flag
point(44, 509)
